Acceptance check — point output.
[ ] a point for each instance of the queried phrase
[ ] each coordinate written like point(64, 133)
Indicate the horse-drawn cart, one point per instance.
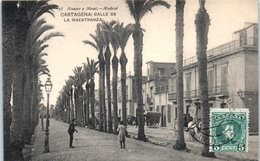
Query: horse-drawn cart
point(152, 119)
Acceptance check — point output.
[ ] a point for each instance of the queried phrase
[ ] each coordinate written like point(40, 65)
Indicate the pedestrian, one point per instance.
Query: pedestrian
point(71, 130)
point(121, 134)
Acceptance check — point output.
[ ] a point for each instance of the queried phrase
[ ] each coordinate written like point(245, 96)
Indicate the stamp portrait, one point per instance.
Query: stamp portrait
point(229, 129)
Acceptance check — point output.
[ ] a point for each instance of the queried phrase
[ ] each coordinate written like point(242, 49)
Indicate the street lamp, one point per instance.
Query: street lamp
point(48, 87)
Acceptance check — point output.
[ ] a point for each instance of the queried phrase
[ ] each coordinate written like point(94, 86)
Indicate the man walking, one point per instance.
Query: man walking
point(71, 130)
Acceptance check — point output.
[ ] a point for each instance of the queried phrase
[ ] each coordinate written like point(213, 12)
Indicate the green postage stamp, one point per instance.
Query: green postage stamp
point(229, 129)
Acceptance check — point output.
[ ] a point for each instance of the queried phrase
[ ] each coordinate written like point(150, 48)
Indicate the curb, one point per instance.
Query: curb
point(192, 149)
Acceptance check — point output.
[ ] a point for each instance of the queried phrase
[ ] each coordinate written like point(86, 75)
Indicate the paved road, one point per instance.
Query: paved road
point(98, 146)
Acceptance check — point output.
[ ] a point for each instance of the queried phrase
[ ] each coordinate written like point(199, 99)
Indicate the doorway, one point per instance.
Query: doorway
point(163, 116)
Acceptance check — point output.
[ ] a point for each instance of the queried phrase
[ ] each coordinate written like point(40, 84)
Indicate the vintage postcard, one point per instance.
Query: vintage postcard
point(130, 80)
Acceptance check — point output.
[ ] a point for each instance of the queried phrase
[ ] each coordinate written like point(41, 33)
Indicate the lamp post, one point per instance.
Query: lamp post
point(48, 87)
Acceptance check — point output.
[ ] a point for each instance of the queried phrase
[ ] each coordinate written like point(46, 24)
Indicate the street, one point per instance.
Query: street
point(99, 146)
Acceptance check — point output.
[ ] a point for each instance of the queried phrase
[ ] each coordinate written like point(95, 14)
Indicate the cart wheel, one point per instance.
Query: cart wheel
point(156, 125)
point(151, 123)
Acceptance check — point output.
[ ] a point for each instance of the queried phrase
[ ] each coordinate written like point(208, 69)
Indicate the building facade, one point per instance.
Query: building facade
point(155, 95)
point(232, 77)
point(131, 104)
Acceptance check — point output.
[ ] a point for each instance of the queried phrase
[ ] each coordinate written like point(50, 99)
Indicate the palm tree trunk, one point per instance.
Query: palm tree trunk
point(71, 102)
point(68, 105)
point(104, 100)
point(107, 57)
point(76, 96)
point(114, 83)
point(22, 26)
point(138, 60)
point(17, 117)
point(34, 103)
point(202, 23)
point(27, 106)
point(92, 103)
point(180, 143)
point(9, 12)
point(123, 62)
point(101, 88)
point(87, 102)
point(81, 113)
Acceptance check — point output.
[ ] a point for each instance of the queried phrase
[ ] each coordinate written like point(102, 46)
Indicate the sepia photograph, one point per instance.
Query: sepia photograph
point(130, 80)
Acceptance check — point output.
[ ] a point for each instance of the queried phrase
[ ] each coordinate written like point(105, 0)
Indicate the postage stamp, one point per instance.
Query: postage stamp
point(229, 129)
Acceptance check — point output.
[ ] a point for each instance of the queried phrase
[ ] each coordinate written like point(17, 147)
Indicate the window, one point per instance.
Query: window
point(126, 92)
point(188, 84)
point(169, 113)
point(176, 113)
point(160, 71)
point(157, 108)
point(210, 81)
point(224, 78)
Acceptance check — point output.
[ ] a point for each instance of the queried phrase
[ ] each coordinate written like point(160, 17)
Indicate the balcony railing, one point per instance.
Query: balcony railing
point(161, 88)
point(172, 96)
point(225, 49)
point(159, 77)
point(218, 90)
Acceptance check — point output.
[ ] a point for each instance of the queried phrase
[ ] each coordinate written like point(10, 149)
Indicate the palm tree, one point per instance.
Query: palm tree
point(138, 8)
point(98, 45)
point(107, 26)
point(86, 99)
point(78, 82)
point(202, 23)
point(122, 35)
point(33, 57)
point(68, 84)
point(16, 131)
point(9, 11)
point(71, 78)
point(180, 143)
point(92, 69)
point(27, 13)
point(115, 47)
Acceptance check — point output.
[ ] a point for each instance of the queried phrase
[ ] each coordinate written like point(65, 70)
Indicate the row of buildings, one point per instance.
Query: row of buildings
point(232, 81)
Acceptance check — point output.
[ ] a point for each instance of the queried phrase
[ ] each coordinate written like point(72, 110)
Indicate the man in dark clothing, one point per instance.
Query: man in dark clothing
point(71, 130)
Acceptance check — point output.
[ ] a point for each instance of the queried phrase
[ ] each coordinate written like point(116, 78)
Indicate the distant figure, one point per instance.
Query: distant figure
point(71, 130)
point(121, 134)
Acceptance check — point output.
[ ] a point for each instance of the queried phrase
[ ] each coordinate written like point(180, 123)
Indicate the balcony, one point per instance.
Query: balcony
point(161, 88)
point(172, 96)
point(216, 91)
point(225, 49)
point(157, 77)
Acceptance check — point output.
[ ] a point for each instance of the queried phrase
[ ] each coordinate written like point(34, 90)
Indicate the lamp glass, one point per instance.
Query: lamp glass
point(48, 85)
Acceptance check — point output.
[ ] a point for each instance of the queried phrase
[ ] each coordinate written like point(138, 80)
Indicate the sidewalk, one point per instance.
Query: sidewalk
point(166, 137)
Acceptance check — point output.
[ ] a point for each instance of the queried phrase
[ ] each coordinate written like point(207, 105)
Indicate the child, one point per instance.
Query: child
point(121, 134)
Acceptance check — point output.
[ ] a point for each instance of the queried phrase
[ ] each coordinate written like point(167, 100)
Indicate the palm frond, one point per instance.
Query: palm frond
point(41, 30)
point(151, 4)
point(51, 35)
point(45, 9)
point(131, 7)
point(91, 43)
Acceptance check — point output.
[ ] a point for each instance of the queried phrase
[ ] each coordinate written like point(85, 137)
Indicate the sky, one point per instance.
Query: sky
point(64, 53)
